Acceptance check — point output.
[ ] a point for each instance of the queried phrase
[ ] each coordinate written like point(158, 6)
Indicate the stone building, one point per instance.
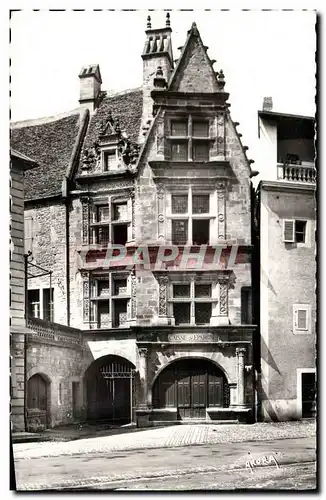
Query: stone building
point(287, 256)
point(141, 210)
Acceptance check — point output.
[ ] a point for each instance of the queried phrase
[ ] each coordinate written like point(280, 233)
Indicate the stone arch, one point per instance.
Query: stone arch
point(192, 355)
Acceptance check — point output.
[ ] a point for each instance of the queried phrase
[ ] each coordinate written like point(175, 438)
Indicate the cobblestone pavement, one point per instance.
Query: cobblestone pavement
point(174, 436)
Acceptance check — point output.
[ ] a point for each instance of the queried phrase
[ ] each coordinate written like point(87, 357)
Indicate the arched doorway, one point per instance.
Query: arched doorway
point(191, 386)
point(38, 401)
point(110, 390)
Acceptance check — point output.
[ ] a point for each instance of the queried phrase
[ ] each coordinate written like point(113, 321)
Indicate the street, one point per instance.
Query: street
point(271, 464)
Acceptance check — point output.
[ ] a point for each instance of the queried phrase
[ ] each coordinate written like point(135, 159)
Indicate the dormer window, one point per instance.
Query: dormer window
point(109, 160)
point(189, 140)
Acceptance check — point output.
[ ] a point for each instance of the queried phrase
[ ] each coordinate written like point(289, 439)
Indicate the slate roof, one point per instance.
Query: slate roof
point(126, 106)
point(50, 142)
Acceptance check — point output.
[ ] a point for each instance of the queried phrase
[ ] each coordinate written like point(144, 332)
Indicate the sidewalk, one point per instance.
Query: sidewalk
point(168, 437)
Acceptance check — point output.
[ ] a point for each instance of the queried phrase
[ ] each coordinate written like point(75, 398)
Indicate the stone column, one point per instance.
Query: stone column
point(143, 375)
point(241, 352)
point(163, 283)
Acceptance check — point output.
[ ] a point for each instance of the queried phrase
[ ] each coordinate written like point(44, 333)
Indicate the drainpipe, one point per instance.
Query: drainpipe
point(65, 195)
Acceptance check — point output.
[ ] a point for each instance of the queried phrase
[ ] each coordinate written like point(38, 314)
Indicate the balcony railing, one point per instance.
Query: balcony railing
point(305, 172)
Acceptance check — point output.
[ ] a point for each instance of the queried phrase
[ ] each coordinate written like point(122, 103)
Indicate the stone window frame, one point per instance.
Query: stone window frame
point(104, 150)
point(292, 238)
point(307, 309)
point(94, 298)
point(109, 201)
point(190, 190)
point(189, 138)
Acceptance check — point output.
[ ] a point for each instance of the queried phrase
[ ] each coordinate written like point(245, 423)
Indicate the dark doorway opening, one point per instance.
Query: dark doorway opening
point(110, 390)
point(308, 392)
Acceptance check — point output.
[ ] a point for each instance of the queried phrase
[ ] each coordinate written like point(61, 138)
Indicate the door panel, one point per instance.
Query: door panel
point(37, 397)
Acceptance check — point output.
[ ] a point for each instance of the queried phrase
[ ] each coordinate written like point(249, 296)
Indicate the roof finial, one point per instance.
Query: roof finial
point(168, 22)
point(149, 25)
point(221, 80)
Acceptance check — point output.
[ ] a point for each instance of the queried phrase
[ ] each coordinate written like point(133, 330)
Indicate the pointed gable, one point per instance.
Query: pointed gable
point(194, 71)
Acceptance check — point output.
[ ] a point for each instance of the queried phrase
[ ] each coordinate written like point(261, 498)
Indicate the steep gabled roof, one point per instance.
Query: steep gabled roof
point(126, 106)
point(52, 143)
point(25, 162)
point(193, 67)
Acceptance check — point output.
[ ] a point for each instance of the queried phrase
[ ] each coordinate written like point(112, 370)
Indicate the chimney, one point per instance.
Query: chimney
point(268, 104)
point(90, 86)
point(157, 53)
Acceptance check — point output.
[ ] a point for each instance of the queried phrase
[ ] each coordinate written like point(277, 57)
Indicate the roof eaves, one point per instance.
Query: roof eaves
point(28, 163)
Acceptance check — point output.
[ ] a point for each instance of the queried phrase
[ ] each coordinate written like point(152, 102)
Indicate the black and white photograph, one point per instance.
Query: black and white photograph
point(163, 250)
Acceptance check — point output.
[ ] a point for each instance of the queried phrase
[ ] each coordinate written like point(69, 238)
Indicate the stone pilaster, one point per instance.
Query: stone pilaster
point(241, 354)
point(143, 375)
point(163, 283)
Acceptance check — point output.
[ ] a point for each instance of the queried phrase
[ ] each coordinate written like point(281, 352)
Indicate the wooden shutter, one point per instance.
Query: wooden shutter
point(288, 231)
point(301, 317)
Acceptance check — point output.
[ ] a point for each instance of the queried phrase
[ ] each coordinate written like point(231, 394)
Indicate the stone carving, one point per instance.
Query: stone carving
point(163, 282)
point(160, 218)
point(133, 295)
point(223, 298)
point(241, 351)
point(220, 140)
point(160, 191)
point(91, 157)
point(128, 151)
point(221, 217)
point(85, 221)
point(86, 300)
point(142, 351)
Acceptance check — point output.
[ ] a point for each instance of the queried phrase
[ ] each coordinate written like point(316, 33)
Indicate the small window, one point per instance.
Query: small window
point(300, 231)
point(48, 312)
point(33, 297)
point(180, 204)
point(301, 318)
point(200, 204)
point(200, 151)
point(200, 129)
point(120, 313)
point(179, 232)
point(200, 232)
point(110, 160)
point(181, 313)
point(103, 314)
point(179, 128)
point(179, 151)
point(181, 291)
point(294, 231)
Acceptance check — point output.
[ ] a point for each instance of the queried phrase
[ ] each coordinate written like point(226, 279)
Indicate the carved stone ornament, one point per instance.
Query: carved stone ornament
point(220, 139)
point(160, 218)
point(163, 282)
point(91, 157)
point(221, 217)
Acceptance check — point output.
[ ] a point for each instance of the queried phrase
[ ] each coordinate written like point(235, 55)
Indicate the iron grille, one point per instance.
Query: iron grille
point(203, 291)
point(226, 394)
point(180, 204)
point(203, 313)
point(200, 152)
point(181, 313)
point(200, 129)
point(181, 291)
point(103, 235)
point(179, 128)
point(200, 204)
point(179, 232)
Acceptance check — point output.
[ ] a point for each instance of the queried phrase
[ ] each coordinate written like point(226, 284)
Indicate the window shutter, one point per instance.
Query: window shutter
point(302, 319)
point(288, 231)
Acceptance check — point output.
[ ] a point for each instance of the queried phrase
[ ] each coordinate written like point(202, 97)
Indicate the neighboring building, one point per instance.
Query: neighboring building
point(19, 163)
point(147, 168)
point(286, 354)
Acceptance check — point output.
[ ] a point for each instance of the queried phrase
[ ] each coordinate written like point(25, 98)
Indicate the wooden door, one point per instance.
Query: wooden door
point(37, 398)
point(308, 389)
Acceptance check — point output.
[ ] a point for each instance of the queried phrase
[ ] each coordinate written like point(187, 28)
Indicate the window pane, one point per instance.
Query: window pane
point(180, 204)
point(103, 214)
point(110, 160)
point(181, 291)
point(120, 211)
point(120, 234)
point(120, 286)
point(103, 287)
point(179, 151)
point(179, 232)
point(103, 314)
point(200, 129)
point(302, 319)
point(200, 232)
point(203, 291)
point(103, 235)
point(200, 152)
point(181, 313)
point(200, 204)
point(48, 304)
point(300, 231)
point(203, 313)
point(179, 128)
point(33, 303)
point(120, 313)
point(246, 306)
